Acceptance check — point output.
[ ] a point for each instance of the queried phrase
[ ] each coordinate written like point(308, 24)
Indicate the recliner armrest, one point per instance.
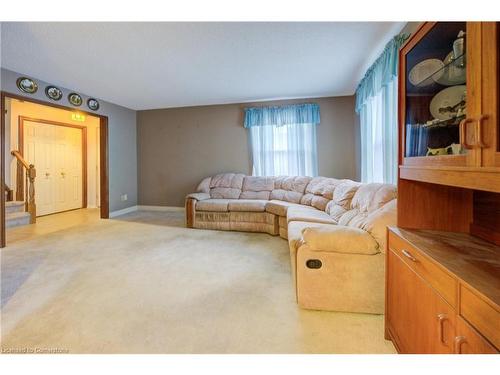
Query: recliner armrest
point(198, 196)
point(340, 239)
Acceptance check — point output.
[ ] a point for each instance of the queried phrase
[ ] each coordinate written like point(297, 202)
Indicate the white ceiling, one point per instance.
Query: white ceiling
point(160, 65)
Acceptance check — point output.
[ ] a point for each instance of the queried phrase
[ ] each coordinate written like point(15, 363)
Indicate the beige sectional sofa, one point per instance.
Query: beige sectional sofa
point(336, 230)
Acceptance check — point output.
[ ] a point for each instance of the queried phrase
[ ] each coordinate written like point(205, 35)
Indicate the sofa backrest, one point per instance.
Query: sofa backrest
point(341, 199)
point(289, 188)
point(319, 192)
point(225, 185)
point(255, 187)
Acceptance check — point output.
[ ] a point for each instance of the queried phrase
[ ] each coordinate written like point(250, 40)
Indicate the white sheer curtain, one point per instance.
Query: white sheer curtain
point(379, 135)
point(284, 150)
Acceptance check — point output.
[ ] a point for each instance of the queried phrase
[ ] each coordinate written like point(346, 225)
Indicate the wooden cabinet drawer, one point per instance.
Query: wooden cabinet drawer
point(469, 341)
point(480, 314)
point(438, 278)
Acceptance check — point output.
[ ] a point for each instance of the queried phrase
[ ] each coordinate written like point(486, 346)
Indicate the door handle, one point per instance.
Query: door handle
point(459, 340)
point(463, 133)
point(63, 174)
point(441, 319)
point(47, 174)
point(407, 254)
point(479, 131)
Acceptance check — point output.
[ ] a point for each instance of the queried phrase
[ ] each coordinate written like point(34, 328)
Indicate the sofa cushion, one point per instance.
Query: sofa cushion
point(256, 183)
point(247, 205)
point(263, 195)
point(204, 185)
point(227, 180)
point(370, 197)
point(340, 239)
point(341, 199)
point(226, 185)
point(309, 214)
point(319, 192)
point(279, 207)
point(225, 193)
point(255, 187)
point(290, 189)
point(216, 205)
point(376, 222)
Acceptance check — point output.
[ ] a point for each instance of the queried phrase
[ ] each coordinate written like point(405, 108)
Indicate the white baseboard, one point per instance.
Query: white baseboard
point(145, 208)
point(123, 211)
point(160, 208)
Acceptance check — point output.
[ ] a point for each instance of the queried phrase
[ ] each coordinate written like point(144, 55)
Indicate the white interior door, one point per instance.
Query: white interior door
point(56, 153)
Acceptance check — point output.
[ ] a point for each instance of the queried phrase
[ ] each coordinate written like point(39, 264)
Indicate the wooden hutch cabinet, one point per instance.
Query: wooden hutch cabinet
point(449, 100)
point(443, 258)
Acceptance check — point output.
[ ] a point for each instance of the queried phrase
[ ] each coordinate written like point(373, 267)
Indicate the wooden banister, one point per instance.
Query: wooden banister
point(9, 196)
point(30, 204)
point(20, 158)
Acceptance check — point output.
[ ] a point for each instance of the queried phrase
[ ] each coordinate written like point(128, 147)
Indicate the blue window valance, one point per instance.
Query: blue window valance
point(307, 113)
point(382, 71)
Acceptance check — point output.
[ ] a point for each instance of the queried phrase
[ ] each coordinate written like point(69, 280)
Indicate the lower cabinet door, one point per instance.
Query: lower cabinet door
point(469, 341)
point(418, 319)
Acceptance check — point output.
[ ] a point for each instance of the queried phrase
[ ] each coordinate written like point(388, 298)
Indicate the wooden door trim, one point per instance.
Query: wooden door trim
point(20, 139)
point(103, 155)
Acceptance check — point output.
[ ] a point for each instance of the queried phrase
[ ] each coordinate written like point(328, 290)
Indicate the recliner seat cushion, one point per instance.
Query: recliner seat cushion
point(279, 207)
point(216, 205)
point(248, 205)
point(309, 214)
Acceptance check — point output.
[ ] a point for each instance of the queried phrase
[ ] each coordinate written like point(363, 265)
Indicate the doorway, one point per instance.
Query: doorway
point(68, 151)
point(59, 152)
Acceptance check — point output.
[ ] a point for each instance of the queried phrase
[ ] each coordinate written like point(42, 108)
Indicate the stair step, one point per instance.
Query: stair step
point(16, 219)
point(14, 206)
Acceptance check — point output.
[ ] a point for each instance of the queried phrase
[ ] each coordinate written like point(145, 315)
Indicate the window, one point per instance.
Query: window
point(284, 150)
point(376, 103)
point(283, 139)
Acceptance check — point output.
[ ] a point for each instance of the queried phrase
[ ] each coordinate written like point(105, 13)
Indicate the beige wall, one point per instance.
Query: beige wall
point(16, 108)
point(178, 147)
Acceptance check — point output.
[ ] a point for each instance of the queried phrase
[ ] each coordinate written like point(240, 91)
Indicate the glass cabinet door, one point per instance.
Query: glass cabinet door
point(435, 95)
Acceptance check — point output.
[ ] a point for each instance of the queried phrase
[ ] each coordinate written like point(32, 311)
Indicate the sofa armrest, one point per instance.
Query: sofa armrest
point(198, 196)
point(340, 239)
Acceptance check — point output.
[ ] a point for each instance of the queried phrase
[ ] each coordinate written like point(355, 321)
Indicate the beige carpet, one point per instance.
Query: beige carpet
point(145, 284)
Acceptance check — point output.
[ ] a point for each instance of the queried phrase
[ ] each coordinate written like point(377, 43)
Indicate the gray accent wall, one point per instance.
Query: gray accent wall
point(122, 138)
point(178, 147)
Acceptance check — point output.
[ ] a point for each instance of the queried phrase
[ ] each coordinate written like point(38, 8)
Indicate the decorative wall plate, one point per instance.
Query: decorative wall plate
point(75, 99)
point(53, 93)
point(449, 97)
point(426, 72)
point(93, 104)
point(26, 85)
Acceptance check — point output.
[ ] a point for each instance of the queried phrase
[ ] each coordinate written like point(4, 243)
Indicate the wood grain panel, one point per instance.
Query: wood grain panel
point(419, 321)
point(469, 341)
point(486, 213)
point(486, 179)
point(444, 283)
point(430, 206)
point(482, 315)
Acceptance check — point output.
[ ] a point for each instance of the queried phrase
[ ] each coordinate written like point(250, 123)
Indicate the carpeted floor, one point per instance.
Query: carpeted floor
point(143, 283)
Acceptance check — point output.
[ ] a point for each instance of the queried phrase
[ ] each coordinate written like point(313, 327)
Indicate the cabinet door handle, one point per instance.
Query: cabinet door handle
point(409, 256)
point(441, 319)
point(459, 340)
point(479, 131)
point(463, 132)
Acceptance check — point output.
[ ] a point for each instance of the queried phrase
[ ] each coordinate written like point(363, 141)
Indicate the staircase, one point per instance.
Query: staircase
point(15, 215)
